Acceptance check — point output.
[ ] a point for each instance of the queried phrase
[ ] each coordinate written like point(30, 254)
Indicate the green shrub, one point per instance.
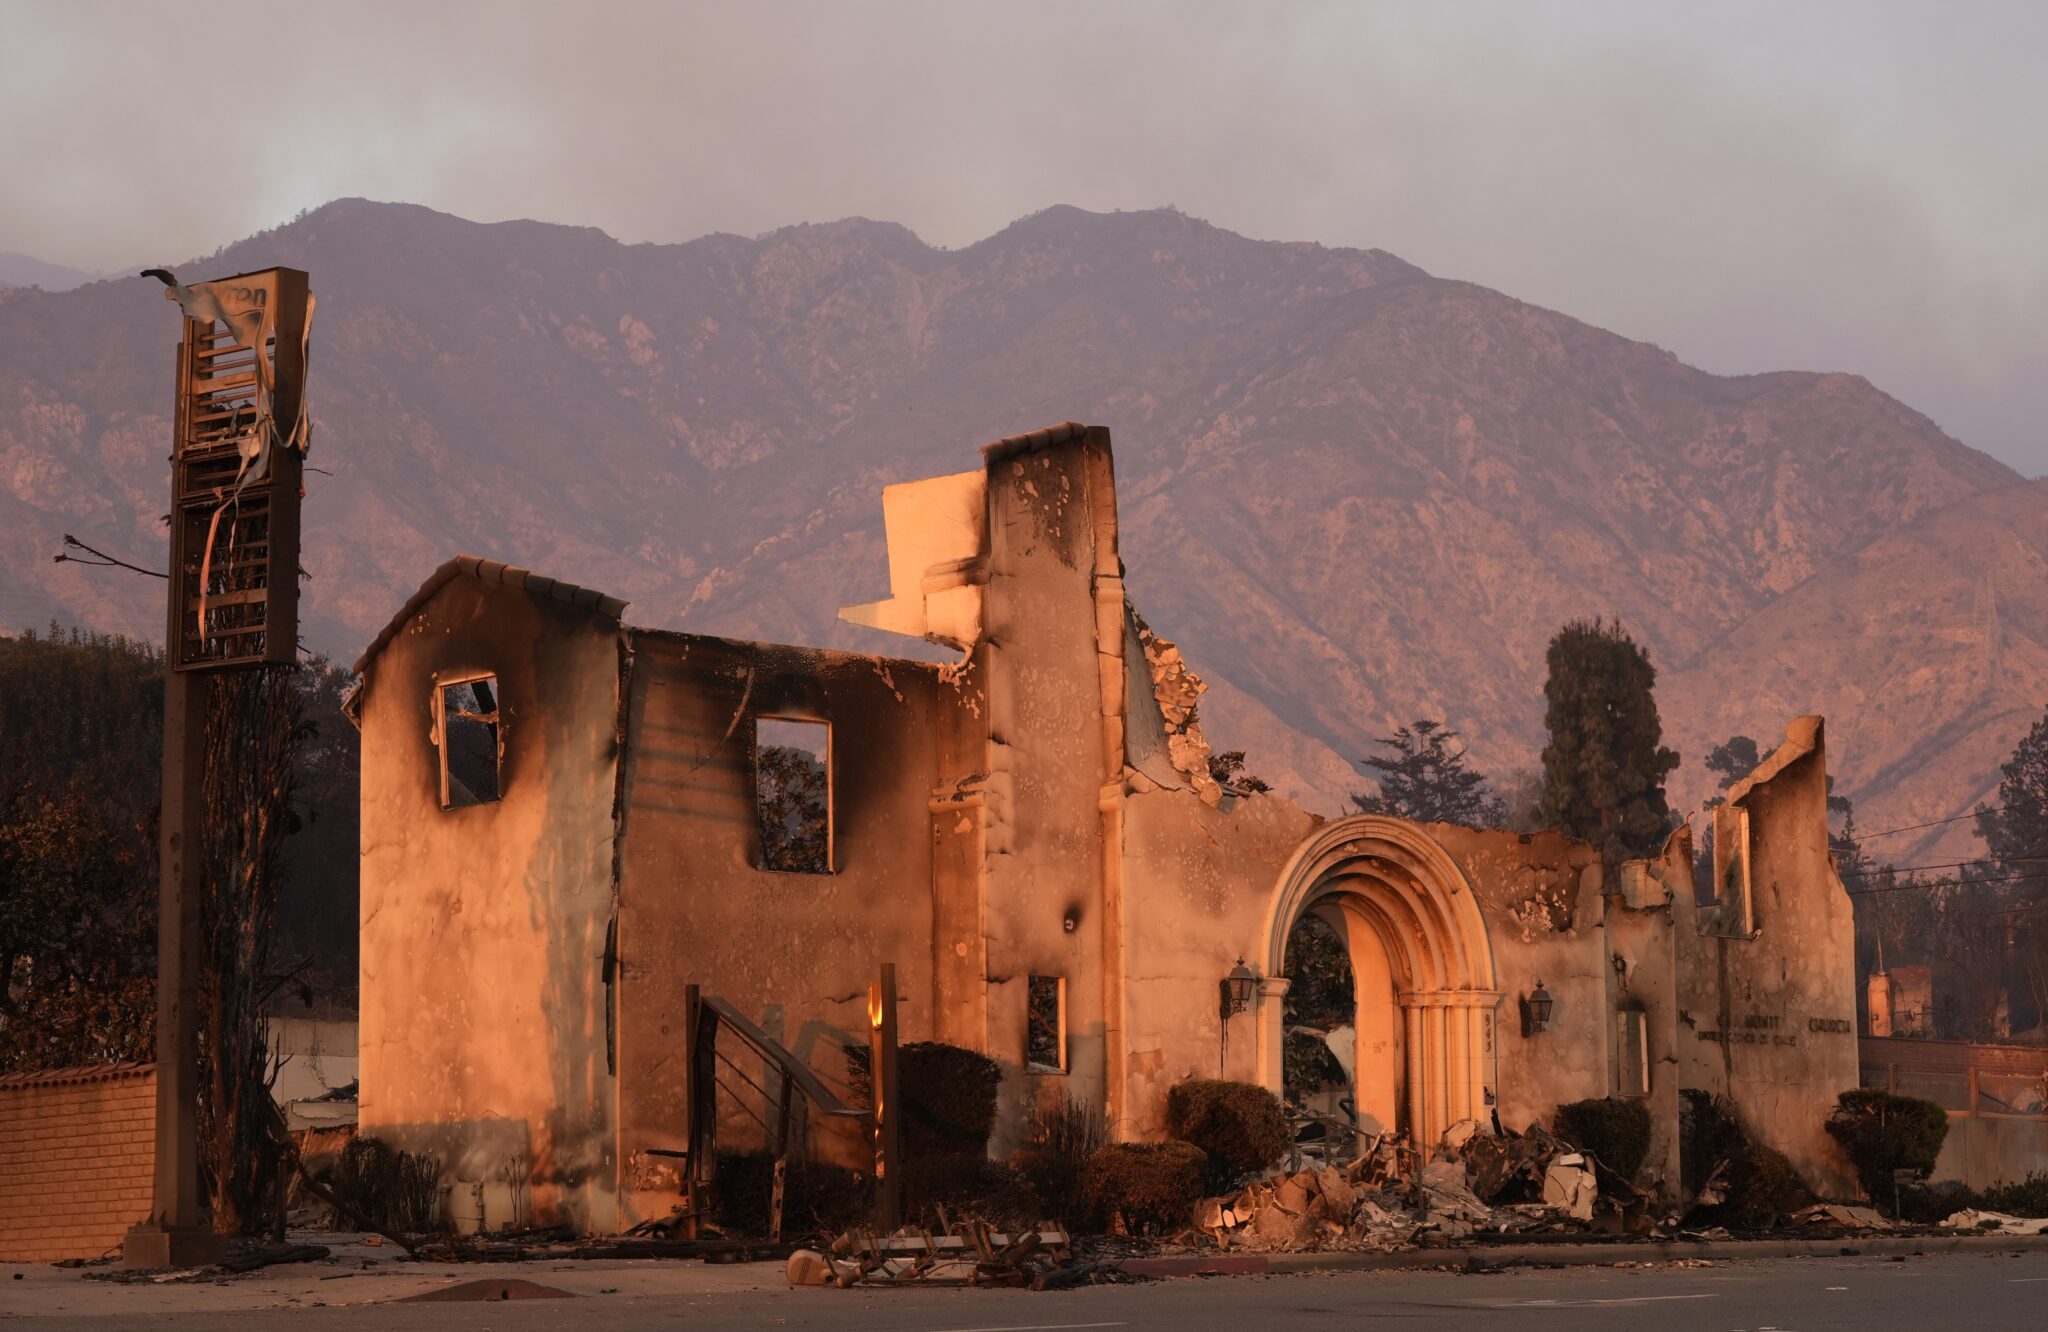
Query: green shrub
point(1064, 1134)
point(1239, 1126)
point(1881, 1133)
point(1614, 1128)
point(818, 1199)
point(1152, 1186)
point(949, 1096)
point(383, 1188)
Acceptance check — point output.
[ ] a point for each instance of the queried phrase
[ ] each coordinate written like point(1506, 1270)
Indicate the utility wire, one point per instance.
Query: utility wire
point(1947, 864)
point(1929, 887)
point(1916, 827)
point(100, 559)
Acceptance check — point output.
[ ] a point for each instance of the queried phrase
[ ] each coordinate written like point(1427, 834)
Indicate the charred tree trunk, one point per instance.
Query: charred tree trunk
point(255, 725)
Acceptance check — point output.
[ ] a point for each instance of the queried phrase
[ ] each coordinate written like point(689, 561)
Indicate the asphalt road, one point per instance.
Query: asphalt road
point(1989, 1291)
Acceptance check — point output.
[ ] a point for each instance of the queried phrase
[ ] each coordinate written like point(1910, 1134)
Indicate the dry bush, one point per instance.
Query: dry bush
point(1151, 1186)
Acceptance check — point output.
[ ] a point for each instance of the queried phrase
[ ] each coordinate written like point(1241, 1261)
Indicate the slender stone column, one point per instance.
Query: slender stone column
point(1411, 1014)
point(1269, 1012)
point(1438, 1029)
point(1458, 1101)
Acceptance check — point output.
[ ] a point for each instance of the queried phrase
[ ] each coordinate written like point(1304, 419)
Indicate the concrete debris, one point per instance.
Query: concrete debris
point(1841, 1216)
point(1509, 1163)
point(1480, 1183)
point(1386, 1199)
point(1449, 1200)
point(1971, 1218)
point(1570, 1186)
point(1459, 1135)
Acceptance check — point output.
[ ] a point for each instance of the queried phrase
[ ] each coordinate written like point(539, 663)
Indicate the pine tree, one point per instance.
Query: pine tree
point(2015, 830)
point(1604, 767)
point(1423, 778)
point(1731, 761)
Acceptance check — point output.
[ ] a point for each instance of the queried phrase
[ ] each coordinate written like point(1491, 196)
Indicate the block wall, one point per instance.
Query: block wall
point(77, 1156)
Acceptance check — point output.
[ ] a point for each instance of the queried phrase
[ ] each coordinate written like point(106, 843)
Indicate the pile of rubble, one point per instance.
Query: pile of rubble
point(1389, 1198)
point(2000, 1223)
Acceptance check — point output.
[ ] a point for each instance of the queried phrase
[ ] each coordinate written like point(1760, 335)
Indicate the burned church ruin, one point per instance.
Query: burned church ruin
point(567, 819)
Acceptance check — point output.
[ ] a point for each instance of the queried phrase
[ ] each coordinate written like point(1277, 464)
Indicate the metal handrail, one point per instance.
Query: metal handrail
point(792, 1068)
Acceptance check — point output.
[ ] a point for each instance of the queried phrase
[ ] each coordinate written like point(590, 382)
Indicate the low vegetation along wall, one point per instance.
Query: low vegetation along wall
point(77, 1154)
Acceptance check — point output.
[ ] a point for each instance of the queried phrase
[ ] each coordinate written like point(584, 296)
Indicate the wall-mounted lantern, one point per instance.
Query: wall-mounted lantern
point(1238, 987)
point(1536, 1010)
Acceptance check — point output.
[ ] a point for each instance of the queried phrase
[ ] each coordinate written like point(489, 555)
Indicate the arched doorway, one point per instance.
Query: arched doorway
point(1421, 964)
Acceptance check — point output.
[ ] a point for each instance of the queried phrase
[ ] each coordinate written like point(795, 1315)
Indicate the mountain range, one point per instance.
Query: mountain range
point(1354, 492)
point(21, 270)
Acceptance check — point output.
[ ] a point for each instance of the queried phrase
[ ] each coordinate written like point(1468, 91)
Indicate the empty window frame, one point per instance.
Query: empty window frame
point(1734, 910)
point(793, 794)
point(1045, 1040)
point(1632, 1052)
point(466, 732)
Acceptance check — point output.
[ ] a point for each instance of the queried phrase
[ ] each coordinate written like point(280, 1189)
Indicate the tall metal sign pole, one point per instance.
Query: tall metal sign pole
point(236, 454)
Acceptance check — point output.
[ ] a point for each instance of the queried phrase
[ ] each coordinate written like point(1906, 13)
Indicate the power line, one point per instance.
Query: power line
point(1947, 864)
point(1916, 886)
point(100, 559)
point(1958, 818)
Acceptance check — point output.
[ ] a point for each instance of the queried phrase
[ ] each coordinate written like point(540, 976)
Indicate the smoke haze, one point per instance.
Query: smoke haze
point(1857, 187)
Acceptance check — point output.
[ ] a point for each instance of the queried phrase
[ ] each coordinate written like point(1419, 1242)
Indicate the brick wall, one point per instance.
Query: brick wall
point(77, 1154)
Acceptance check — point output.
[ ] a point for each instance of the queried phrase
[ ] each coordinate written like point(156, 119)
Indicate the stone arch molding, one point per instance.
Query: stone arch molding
point(1390, 876)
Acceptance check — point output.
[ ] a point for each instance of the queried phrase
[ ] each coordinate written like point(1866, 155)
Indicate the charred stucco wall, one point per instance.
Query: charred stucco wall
point(1599, 952)
point(1048, 673)
point(1768, 1017)
point(483, 1019)
point(793, 951)
point(1643, 949)
point(1540, 896)
point(969, 806)
point(1199, 881)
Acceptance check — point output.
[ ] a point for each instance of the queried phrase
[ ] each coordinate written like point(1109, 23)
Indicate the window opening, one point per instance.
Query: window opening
point(1045, 1042)
point(1734, 911)
point(470, 752)
point(793, 794)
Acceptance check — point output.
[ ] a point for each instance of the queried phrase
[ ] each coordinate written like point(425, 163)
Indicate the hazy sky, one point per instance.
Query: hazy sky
point(1858, 186)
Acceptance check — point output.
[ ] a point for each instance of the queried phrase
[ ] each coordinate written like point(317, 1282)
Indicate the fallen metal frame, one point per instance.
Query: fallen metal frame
point(971, 1255)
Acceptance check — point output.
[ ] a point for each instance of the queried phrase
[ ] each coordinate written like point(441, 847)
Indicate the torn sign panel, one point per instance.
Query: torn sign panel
point(241, 395)
point(248, 309)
